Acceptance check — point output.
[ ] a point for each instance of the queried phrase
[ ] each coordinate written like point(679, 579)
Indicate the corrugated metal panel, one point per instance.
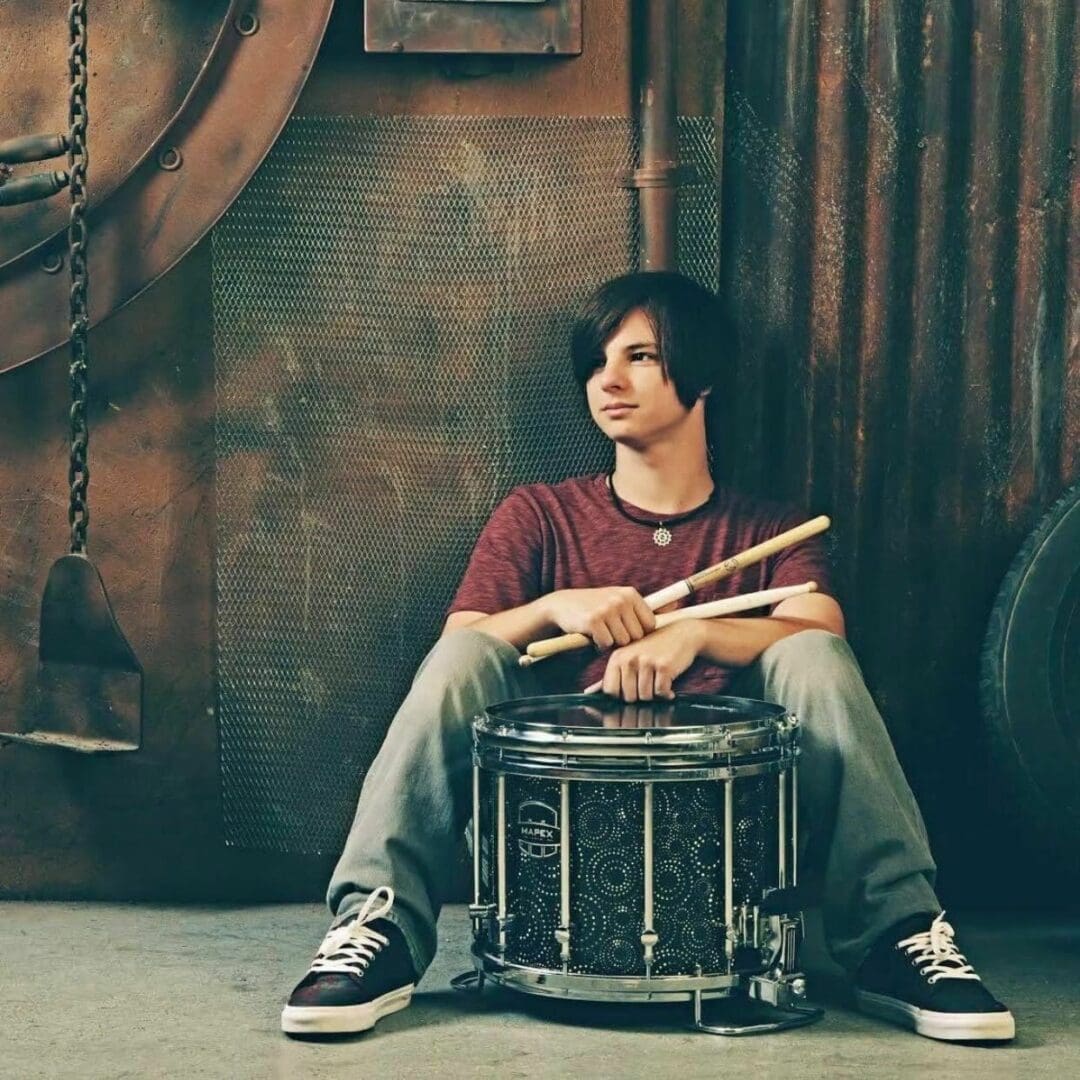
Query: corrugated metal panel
point(900, 202)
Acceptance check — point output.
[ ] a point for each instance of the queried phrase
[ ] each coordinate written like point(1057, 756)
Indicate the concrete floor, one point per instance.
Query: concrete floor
point(116, 991)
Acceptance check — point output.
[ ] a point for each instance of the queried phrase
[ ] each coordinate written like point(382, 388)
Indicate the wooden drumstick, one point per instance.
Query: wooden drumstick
point(729, 605)
point(732, 604)
point(538, 650)
point(717, 608)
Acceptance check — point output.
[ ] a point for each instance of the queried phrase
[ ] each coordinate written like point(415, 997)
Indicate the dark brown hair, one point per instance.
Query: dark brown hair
point(695, 335)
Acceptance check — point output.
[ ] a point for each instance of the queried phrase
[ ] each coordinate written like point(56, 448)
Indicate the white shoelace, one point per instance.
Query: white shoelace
point(349, 949)
point(936, 954)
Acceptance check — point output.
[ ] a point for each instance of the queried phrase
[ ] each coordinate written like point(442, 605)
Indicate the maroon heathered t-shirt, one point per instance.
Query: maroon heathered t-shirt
point(544, 537)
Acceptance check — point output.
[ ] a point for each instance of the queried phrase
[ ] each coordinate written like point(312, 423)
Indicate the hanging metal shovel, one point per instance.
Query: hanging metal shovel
point(89, 687)
point(89, 683)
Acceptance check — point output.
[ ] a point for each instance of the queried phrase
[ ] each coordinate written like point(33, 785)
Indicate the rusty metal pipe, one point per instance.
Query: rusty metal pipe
point(657, 175)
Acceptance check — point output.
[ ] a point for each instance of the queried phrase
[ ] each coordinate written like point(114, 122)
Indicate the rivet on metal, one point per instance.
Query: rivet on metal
point(396, 46)
point(549, 47)
point(246, 24)
point(53, 263)
point(170, 158)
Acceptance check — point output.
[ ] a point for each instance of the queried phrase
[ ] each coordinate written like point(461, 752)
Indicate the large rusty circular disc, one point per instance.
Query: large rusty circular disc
point(184, 102)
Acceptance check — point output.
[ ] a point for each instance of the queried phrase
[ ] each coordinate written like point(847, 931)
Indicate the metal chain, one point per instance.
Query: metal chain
point(78, 471)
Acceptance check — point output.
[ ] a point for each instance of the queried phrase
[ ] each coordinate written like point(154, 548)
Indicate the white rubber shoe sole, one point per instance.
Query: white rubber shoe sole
point(980, 1026)
point(341, 1019)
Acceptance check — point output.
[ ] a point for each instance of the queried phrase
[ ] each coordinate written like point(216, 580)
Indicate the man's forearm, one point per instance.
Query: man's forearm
point(738, 642)
point(519, 625)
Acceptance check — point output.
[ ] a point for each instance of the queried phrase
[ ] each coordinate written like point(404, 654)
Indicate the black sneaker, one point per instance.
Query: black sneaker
point(361, 973)
point(919, 979)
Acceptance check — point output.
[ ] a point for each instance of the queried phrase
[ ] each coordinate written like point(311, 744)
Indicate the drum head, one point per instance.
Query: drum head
point(593, 712)
point(702, 729)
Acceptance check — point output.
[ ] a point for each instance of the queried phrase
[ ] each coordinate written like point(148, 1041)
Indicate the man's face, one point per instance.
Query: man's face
point(632, 375)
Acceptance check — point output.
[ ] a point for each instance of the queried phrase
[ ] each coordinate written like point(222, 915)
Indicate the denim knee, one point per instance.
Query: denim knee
point(816, 654)
point(468, 664)
point(464, 651)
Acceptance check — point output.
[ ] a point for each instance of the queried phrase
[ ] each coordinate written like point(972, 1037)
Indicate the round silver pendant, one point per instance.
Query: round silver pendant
point(662, 537)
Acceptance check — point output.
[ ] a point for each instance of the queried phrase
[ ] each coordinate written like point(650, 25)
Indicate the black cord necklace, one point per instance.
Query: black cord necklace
point(662, 533)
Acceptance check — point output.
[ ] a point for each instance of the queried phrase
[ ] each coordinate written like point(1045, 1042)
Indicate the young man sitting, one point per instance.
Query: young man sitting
point(578, 556)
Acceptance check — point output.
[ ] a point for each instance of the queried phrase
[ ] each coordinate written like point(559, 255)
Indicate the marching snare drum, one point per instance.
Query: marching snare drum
point(638, 852)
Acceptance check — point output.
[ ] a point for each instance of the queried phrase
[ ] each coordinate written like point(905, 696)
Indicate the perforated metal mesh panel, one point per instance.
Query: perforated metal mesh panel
point(391, 308)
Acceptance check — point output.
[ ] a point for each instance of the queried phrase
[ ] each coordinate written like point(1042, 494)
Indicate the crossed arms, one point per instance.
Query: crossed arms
point(644, 661)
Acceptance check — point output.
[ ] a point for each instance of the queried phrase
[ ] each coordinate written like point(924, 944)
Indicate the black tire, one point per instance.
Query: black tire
point(1030, 681)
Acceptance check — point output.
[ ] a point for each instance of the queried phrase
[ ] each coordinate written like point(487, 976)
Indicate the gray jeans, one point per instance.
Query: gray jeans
point(864, 849)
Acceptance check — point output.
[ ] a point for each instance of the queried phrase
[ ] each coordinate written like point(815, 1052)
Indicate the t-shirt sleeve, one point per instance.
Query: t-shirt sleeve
point(806, 561)
point(504, 569)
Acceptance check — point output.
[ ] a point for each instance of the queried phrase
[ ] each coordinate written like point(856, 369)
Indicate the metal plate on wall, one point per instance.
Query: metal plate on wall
point(181, 112)
point(134, 96)
point(392, 298)
point(544, 27)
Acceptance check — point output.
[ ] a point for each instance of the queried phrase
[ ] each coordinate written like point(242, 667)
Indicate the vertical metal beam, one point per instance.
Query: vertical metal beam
point(657, 178)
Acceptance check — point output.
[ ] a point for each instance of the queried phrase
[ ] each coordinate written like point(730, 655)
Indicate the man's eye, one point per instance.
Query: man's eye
point(642, 355)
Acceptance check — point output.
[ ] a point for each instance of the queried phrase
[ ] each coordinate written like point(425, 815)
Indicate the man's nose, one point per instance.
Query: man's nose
point(611, 375)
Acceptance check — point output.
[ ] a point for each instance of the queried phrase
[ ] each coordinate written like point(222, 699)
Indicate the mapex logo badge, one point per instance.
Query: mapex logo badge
point(538, 830)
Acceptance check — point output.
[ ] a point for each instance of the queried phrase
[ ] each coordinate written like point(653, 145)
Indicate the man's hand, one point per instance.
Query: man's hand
point(645, 669)
point(616, 615)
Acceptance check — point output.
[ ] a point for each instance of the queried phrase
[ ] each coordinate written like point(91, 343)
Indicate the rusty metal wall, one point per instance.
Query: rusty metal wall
point(901, 205)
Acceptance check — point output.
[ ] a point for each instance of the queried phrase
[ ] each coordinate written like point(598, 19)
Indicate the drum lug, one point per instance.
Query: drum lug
point(562, 936)
point(481, 914)
point(731, 943)
point(745, 917)
point(649, 938)
point(486, 921)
